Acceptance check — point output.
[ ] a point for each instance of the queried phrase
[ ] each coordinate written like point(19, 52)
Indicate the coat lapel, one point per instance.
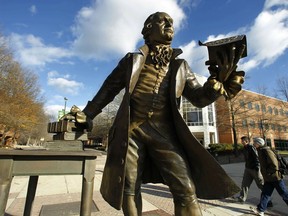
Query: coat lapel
point(137, 64)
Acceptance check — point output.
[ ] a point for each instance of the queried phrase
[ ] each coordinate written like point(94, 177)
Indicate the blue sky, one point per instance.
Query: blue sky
point(73, 45)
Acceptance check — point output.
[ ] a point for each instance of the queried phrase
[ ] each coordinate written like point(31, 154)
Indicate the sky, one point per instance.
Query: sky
point(73, 46)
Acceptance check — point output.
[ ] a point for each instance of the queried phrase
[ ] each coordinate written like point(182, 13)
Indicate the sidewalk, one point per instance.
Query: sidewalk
point(60, 195)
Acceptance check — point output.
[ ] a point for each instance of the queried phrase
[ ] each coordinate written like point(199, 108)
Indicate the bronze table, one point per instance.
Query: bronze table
point(43, 162)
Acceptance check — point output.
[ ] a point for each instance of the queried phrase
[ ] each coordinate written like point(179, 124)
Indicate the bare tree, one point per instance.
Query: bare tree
point(104, 120)
point(282, 84)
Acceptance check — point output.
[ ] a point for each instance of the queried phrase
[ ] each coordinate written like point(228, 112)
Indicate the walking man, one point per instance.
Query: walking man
point(273, 178)
point(252, 169)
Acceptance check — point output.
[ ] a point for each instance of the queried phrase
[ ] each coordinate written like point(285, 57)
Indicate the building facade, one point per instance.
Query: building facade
point(254, 115)
point(248, 114)
point(201, 121)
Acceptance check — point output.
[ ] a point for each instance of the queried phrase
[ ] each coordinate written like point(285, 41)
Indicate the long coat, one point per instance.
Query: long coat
point(269, 165)
point(210, 179)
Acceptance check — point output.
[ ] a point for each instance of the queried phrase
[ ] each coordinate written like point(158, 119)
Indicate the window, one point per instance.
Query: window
point(191, 114)
point(244, 123)
point(279, 128)
point(275, 111)
point(210, 115)
point(257, 107)
point(263, 107)
point(252, 124)
point(270, 109)
point(242, 103)
point(250, 106)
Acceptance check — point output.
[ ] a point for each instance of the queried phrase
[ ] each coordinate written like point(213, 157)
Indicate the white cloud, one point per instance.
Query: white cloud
point(271, 3)
point(52, 110)
point(63, 83)
point(104, 30)
point(33, 9)
point(196, 57)
point(31, 51)
point(112, 27)
point(267, 39)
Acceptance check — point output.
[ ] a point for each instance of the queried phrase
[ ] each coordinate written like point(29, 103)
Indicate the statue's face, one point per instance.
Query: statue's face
point(162, 30)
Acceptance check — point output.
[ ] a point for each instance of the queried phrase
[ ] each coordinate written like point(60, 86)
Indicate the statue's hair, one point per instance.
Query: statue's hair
point(147, 27)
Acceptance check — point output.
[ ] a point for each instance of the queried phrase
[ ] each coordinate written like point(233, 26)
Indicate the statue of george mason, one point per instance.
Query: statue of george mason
point(149, 141)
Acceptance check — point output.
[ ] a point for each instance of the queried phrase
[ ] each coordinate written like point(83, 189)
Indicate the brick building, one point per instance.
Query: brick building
point(253, 114)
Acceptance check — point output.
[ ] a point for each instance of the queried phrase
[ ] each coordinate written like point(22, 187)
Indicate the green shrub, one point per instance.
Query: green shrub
point(223, 148)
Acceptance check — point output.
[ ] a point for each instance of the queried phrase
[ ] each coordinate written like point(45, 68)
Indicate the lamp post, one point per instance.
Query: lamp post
point(65, 101)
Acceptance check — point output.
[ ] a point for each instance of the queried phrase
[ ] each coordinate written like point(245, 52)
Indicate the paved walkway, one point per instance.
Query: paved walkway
point(60, 195)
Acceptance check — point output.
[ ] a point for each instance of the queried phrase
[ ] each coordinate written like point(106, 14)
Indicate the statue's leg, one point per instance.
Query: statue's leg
point(166, 153)
point(132, 200)
point(188, 206)
point(132, 205)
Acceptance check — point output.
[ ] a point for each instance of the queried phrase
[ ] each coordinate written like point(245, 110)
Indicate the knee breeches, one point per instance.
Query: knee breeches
point(162, 148)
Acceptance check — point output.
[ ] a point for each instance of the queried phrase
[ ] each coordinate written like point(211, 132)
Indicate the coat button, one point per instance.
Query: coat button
point(122, 161)
point(119, 179)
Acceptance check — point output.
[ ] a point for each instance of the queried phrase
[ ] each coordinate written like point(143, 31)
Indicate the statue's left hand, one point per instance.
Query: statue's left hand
point(84, 119)
point(80, 117)
point(225, 63)
point(233, 84)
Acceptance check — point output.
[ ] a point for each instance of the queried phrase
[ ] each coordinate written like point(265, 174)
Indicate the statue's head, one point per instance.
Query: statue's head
point(158, 29)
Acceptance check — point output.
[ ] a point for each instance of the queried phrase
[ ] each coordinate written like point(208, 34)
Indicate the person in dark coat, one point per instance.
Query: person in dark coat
point(252, 169)
point(273, 178)
point(149, 142)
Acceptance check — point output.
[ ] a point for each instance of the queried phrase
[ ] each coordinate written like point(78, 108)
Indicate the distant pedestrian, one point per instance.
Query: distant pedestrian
point(273, 178)
point(252, 169)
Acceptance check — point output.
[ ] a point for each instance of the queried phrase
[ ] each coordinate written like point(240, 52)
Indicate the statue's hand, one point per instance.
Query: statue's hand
point(81, 118)
point(233, 84)
point(230, 87)
point(225, 63)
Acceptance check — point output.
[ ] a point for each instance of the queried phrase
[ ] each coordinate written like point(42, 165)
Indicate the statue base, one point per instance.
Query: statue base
point(64, 145)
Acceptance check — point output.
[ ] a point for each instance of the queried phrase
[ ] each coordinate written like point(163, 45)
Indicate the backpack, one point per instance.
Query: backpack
point(283, 164)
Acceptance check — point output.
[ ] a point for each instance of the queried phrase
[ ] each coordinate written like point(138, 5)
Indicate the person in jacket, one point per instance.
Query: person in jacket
point(149, 142)
point(273, 178)
point(252, 169)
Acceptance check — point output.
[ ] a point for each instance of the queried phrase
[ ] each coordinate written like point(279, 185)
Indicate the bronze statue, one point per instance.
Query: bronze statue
point(149, 141)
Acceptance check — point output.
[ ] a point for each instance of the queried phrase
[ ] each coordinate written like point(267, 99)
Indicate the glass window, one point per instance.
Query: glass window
point(244, 123)
point(252, 124)
point(275, 111)
point(279, 128)
point(257, 107)
point(250, 106)
point(191, 114)
point(242, 103)
point(263, 107)
point(270, 109)
point(210, 115)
